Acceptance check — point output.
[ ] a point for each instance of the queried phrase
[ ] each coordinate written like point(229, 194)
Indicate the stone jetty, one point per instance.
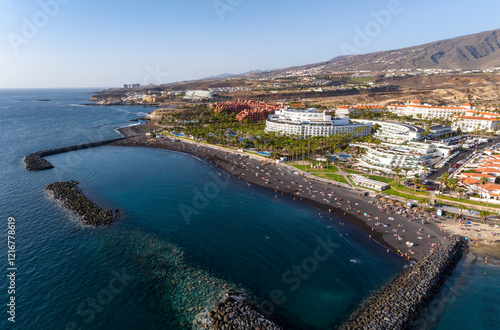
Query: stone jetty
point(36, 162)
point(71, 198)
point(236, 312)
point(398, 304)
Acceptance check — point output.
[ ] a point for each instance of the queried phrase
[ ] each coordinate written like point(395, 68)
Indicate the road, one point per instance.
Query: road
point(434, 176)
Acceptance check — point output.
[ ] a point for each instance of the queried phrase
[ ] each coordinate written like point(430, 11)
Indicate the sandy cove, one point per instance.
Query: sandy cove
point(350, 204)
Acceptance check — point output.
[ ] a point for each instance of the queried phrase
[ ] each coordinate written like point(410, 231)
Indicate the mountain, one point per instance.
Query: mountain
point(475, 51)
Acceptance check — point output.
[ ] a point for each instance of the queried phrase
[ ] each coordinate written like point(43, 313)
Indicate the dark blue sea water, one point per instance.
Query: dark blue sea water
point(156, 267)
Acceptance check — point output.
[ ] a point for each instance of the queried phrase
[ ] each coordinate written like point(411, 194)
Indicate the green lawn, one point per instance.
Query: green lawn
point(347, 170)
point(379, 178)
point(334, 177)
point(305, 168)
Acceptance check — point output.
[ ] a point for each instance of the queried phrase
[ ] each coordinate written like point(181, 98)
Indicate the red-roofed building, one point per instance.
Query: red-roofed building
point(248, 109)
point(346, 110)
point(478, 176)
point(476, 121)
point(426, 111)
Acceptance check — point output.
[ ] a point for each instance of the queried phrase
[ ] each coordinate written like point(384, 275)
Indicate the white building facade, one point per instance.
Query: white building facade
point(413, 155)
point(476, 121)
point(393, 132)
point(309, 122)
point(347, 110)
point(425, 111)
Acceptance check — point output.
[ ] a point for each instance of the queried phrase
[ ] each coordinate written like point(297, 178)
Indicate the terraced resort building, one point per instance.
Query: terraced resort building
point(411, 155)
point(312, 122)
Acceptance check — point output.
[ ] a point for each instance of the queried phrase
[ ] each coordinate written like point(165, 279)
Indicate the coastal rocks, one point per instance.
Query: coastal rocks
point(236, 312)
point(36, 162)
point(402, 300)
point(71, 198)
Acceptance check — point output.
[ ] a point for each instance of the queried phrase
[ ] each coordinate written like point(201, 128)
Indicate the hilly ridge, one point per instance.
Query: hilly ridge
point(476, 51)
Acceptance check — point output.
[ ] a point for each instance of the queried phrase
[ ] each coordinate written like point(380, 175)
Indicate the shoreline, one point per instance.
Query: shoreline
point(351, 205)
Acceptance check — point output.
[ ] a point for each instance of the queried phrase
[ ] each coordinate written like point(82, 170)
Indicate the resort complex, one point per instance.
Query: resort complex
point(310, 122)
point(469, 121)
point(393, 132)
point(411, 155)
point(347, 110)
point(425, 111)
point(247, 109)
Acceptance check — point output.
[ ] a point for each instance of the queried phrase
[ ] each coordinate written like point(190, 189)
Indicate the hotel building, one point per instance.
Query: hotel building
point(426, 111)
point(470, 121)
point(310, 122)
point(412, 155)
point(393, 132)
point(347, 110)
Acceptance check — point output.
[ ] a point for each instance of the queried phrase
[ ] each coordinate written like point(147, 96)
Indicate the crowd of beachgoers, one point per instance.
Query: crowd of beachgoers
point(410, 232)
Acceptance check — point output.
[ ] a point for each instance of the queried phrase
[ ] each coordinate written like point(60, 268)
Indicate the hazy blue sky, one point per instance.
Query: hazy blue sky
point(76, 43)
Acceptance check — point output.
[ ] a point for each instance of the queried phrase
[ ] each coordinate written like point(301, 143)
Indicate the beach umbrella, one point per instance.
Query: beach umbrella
point(390, 201)
point(382, 199)
point(399, 204)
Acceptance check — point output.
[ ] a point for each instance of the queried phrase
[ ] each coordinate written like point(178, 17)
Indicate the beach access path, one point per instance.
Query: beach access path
point(378, 220)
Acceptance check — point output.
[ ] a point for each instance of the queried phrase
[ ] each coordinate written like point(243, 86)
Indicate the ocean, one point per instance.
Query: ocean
point(187, 232)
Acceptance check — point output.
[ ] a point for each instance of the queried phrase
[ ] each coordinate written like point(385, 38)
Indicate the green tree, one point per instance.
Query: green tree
point(443, 179)
point(416, 181)
point(452, 184)
point(461, 192)
point(483, 215)
point(483, 181)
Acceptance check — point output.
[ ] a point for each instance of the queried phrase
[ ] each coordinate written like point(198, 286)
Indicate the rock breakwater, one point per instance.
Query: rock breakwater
point(236, 312)
point(71, 198)
point(36, 162)
point(398, 304)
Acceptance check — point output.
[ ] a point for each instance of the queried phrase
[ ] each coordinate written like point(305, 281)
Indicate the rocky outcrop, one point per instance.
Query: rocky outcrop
point(36, 162)
point(409, 294)
point(236, 313)
point(71, 198)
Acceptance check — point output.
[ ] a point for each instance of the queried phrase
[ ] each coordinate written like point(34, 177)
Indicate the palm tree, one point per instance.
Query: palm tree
point(443, 179)
point(397, 170)
point(452, 184)
point(425, 170)
point(416, 181)
point(483, 215)
point(483, 181)
point(406, 170)
point(460, 192)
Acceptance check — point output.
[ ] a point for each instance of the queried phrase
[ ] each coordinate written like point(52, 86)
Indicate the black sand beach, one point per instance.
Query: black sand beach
point(377, 219)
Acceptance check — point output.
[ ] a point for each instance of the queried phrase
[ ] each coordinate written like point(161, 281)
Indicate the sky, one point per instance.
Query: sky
point(106, 43)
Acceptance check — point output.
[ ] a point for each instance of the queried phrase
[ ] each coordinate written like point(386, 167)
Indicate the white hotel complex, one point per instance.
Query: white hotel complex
point(347, 110)
point(412, 155)
point(425, 111)
point(393, 132)
point(399, 148)
point(469, 121)
point(310, 122)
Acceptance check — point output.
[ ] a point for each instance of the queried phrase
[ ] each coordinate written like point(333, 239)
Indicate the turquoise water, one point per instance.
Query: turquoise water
point(186, 233)
point(470, 299)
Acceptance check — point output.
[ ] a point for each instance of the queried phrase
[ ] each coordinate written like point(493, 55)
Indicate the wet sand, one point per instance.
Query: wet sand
point(380, 221)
